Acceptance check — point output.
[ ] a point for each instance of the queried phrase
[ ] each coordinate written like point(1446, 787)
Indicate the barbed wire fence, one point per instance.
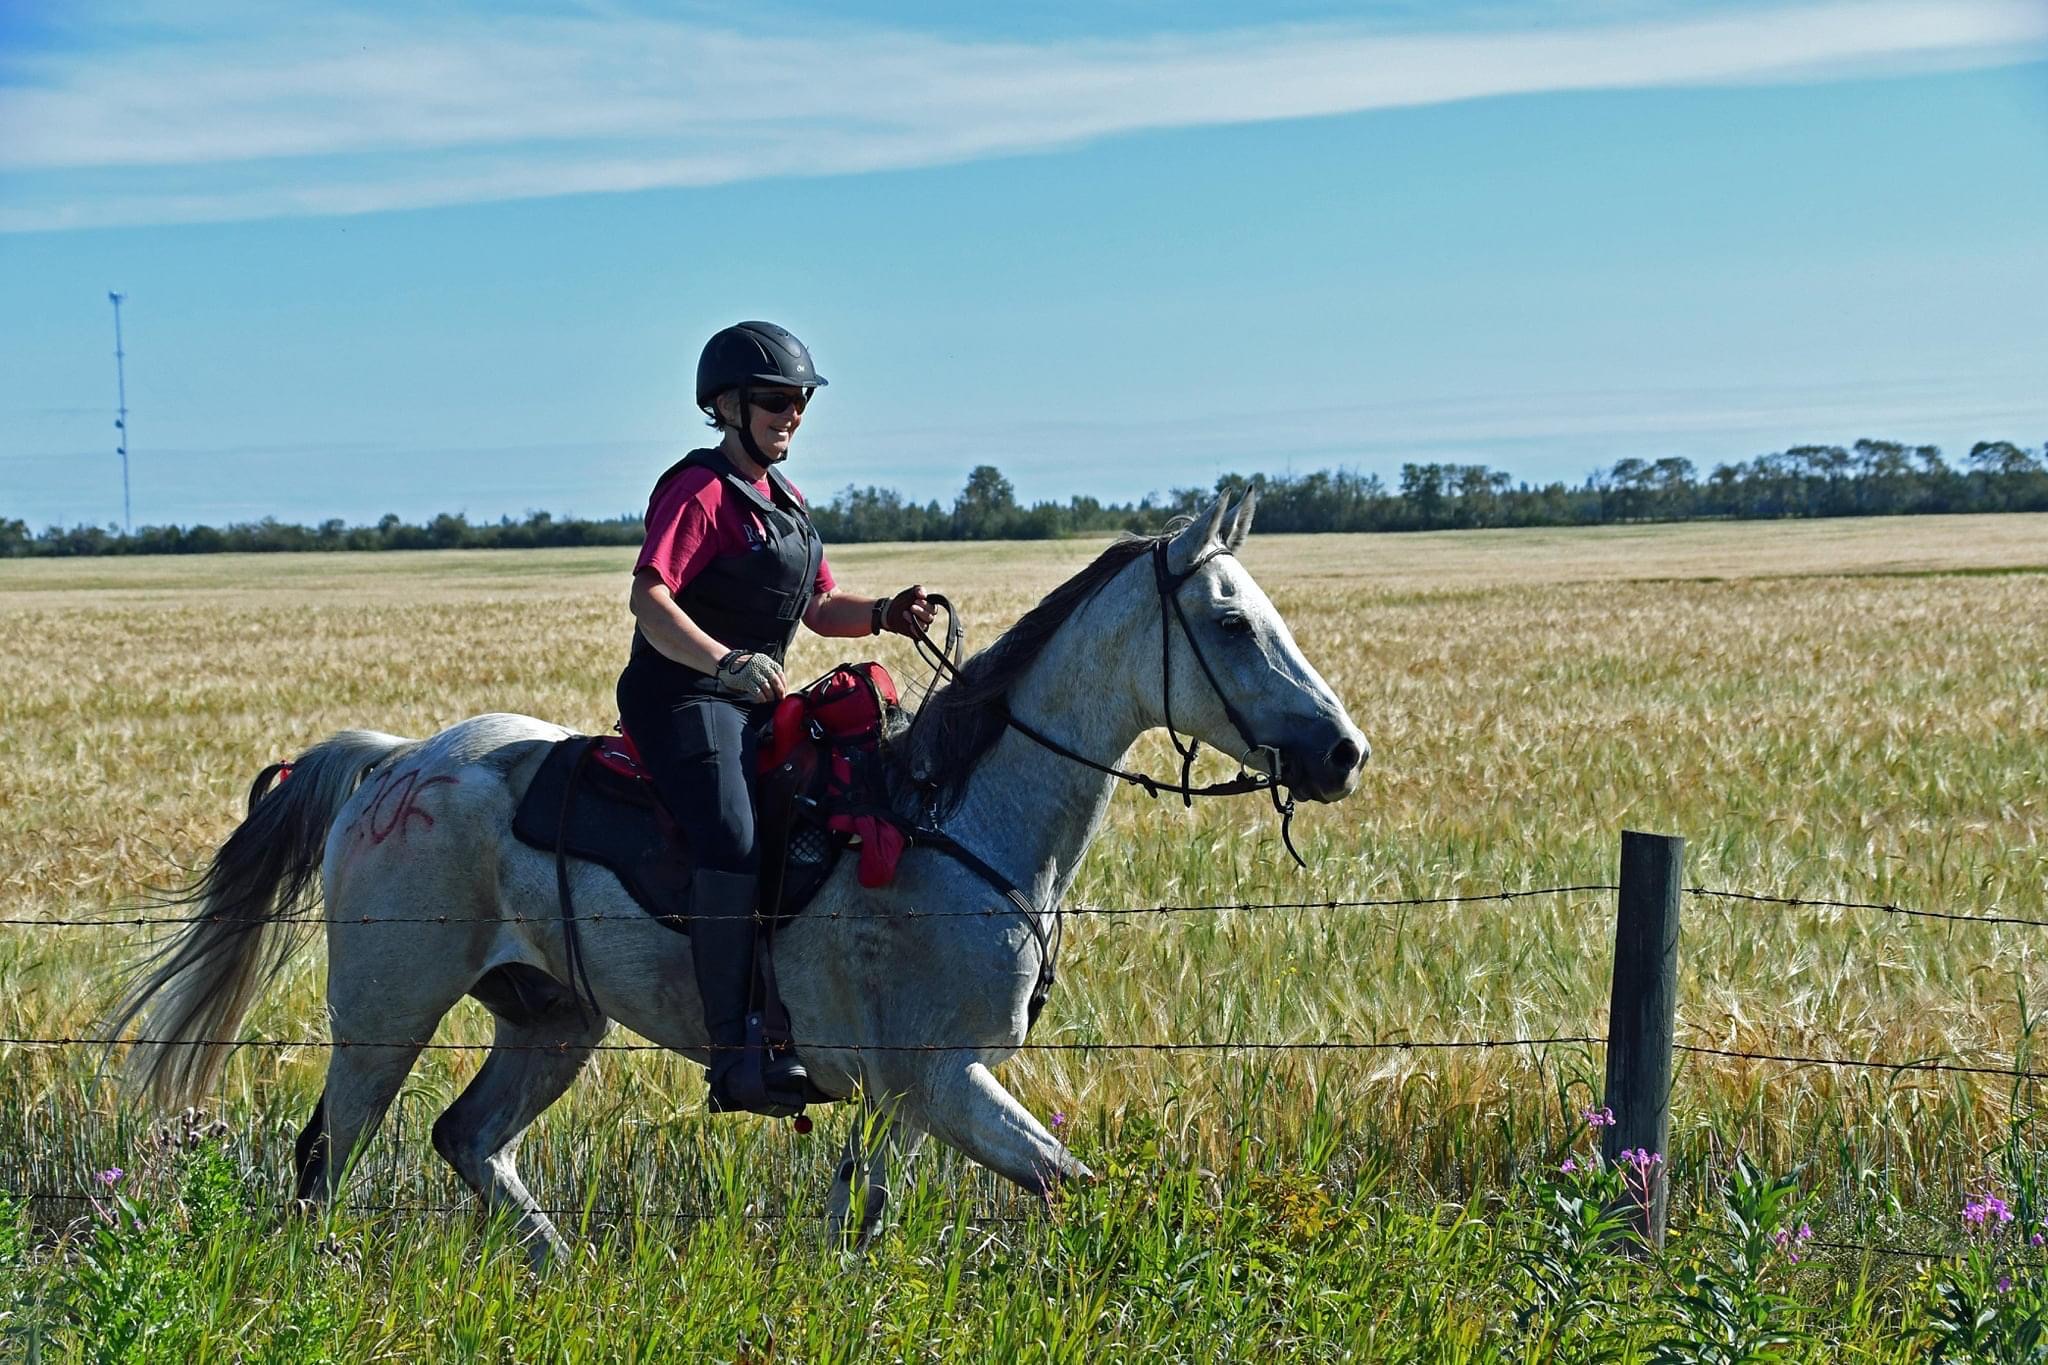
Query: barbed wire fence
point(1642, 1112)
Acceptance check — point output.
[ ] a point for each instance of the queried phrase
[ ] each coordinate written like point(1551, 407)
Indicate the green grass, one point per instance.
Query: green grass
point(1850, 710)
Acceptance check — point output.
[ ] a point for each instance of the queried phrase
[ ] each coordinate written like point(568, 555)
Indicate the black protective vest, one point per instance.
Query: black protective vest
point(755, 600)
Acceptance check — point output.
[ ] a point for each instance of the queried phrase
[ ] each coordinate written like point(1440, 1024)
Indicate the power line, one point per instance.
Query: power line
point(121, 419)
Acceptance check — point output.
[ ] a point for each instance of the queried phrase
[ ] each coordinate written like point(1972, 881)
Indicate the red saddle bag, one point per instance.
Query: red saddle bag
point(845, 713)
point(854, 701)
point(850, 705)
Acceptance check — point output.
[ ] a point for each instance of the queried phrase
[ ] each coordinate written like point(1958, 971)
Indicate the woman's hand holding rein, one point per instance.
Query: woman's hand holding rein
point(905, 613)
point(751, 676)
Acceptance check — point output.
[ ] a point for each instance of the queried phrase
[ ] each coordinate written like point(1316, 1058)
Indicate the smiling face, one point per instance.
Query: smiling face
point(772, 430)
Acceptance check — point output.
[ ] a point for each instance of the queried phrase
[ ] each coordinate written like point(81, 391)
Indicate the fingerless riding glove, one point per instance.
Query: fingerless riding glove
point(745, 673)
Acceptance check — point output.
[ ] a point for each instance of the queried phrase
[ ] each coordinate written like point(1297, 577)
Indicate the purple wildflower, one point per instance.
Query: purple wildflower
point(1789, 1240)
point(1059, 1118)
point(2005, 1284)
point(1986, 1211)
point(2037, 1239)
point(1603, 1117)
point(110, 1177)
point(1570, 1165)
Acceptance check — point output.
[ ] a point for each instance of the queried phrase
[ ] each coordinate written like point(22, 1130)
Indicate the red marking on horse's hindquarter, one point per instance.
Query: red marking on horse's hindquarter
point(397, 804)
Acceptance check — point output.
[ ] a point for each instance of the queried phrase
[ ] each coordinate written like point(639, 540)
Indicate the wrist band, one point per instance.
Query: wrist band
point(881, 610)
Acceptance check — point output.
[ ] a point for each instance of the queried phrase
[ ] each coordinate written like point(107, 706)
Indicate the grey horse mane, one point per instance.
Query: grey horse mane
point(955, 730)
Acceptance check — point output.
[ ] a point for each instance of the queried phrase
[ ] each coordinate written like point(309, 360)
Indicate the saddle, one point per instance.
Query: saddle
point(818, 791)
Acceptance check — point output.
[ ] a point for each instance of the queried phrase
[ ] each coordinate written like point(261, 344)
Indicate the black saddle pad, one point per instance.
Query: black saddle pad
point(586, 810)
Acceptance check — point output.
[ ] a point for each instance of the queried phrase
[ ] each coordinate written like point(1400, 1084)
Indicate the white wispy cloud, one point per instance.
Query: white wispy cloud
point(353, 112)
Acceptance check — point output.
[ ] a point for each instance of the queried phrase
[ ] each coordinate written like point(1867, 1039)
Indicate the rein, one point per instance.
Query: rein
point(1169, 585)
point(945, 664)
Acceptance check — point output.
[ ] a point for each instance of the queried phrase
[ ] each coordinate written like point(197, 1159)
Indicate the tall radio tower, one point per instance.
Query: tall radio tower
point(121, 420)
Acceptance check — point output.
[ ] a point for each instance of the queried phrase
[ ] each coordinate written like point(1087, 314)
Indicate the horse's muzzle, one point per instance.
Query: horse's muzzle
point(1323, 763)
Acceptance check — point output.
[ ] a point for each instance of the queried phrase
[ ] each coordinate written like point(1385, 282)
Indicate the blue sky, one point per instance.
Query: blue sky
point(453, 257)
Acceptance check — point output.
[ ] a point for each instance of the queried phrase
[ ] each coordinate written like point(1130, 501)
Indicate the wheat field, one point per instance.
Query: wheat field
point(1852, 710)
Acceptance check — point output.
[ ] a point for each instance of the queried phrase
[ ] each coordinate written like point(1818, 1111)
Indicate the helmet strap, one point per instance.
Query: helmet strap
point(754, 451)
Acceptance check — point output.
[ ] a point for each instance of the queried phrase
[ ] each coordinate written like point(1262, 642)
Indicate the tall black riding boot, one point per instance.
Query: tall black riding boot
point(744, 1075)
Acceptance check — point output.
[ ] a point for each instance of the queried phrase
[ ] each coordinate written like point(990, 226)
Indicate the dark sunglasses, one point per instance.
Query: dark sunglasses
point(778, 401)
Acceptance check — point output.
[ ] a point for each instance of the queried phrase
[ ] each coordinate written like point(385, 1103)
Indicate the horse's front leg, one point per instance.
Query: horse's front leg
point(970, 1110)
point(860, 1192)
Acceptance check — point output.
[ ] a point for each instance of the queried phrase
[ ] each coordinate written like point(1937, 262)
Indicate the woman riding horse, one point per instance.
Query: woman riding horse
point(731, 564)
point(909, 995)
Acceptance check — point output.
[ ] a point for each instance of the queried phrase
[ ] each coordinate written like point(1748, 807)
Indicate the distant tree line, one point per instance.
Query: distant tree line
point(448, 531)
point(1869, 478)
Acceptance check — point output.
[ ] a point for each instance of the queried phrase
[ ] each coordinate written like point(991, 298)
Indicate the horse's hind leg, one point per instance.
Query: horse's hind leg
point(309, 1154)
point(861, 1190)
point(377, 1038)
point(542, 1042)
point(363, 1077)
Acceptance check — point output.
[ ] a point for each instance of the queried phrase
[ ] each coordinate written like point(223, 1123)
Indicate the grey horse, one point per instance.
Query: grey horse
point(908, 1008)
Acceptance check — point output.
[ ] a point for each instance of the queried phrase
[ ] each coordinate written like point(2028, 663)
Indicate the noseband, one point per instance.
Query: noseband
point(1169, 585)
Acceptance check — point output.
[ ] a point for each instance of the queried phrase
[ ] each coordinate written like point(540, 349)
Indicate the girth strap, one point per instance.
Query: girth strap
point(572, 948)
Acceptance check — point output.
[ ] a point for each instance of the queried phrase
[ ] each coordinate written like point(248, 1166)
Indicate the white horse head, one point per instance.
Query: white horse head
point(1234, 676)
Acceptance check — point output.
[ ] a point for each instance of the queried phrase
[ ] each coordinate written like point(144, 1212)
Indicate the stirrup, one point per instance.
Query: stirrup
point(760, 1080)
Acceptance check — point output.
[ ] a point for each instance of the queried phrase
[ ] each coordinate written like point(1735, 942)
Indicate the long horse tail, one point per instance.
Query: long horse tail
point(192, 993)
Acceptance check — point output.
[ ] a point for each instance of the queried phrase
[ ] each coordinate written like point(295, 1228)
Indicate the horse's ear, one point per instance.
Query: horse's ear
point(1199, 535)
point(1239, 524)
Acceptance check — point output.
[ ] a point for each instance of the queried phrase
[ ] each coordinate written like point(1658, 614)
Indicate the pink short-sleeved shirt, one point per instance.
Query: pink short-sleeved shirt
point(693, 520)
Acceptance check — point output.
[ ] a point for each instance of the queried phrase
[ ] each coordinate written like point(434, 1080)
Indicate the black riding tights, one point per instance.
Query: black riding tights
point(700, 751)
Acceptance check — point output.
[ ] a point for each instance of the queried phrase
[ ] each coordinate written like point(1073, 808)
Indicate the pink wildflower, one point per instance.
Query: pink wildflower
point(1987, 1211)
point(1789, 1241)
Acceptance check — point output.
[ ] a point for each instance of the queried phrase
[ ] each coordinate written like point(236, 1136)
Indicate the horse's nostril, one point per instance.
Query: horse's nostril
point(1344, 756)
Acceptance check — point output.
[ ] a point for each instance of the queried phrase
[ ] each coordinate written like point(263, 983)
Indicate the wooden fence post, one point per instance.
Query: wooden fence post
point(1642, 1015)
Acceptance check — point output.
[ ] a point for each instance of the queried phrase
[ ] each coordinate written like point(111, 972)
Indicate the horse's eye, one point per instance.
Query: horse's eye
point(1235, 623)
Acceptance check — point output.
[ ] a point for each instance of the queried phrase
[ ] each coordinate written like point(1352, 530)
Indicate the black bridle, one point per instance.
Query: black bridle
point(1169, 585)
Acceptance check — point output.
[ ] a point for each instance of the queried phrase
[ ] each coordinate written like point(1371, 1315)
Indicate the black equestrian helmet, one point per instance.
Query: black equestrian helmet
point(748, 353)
